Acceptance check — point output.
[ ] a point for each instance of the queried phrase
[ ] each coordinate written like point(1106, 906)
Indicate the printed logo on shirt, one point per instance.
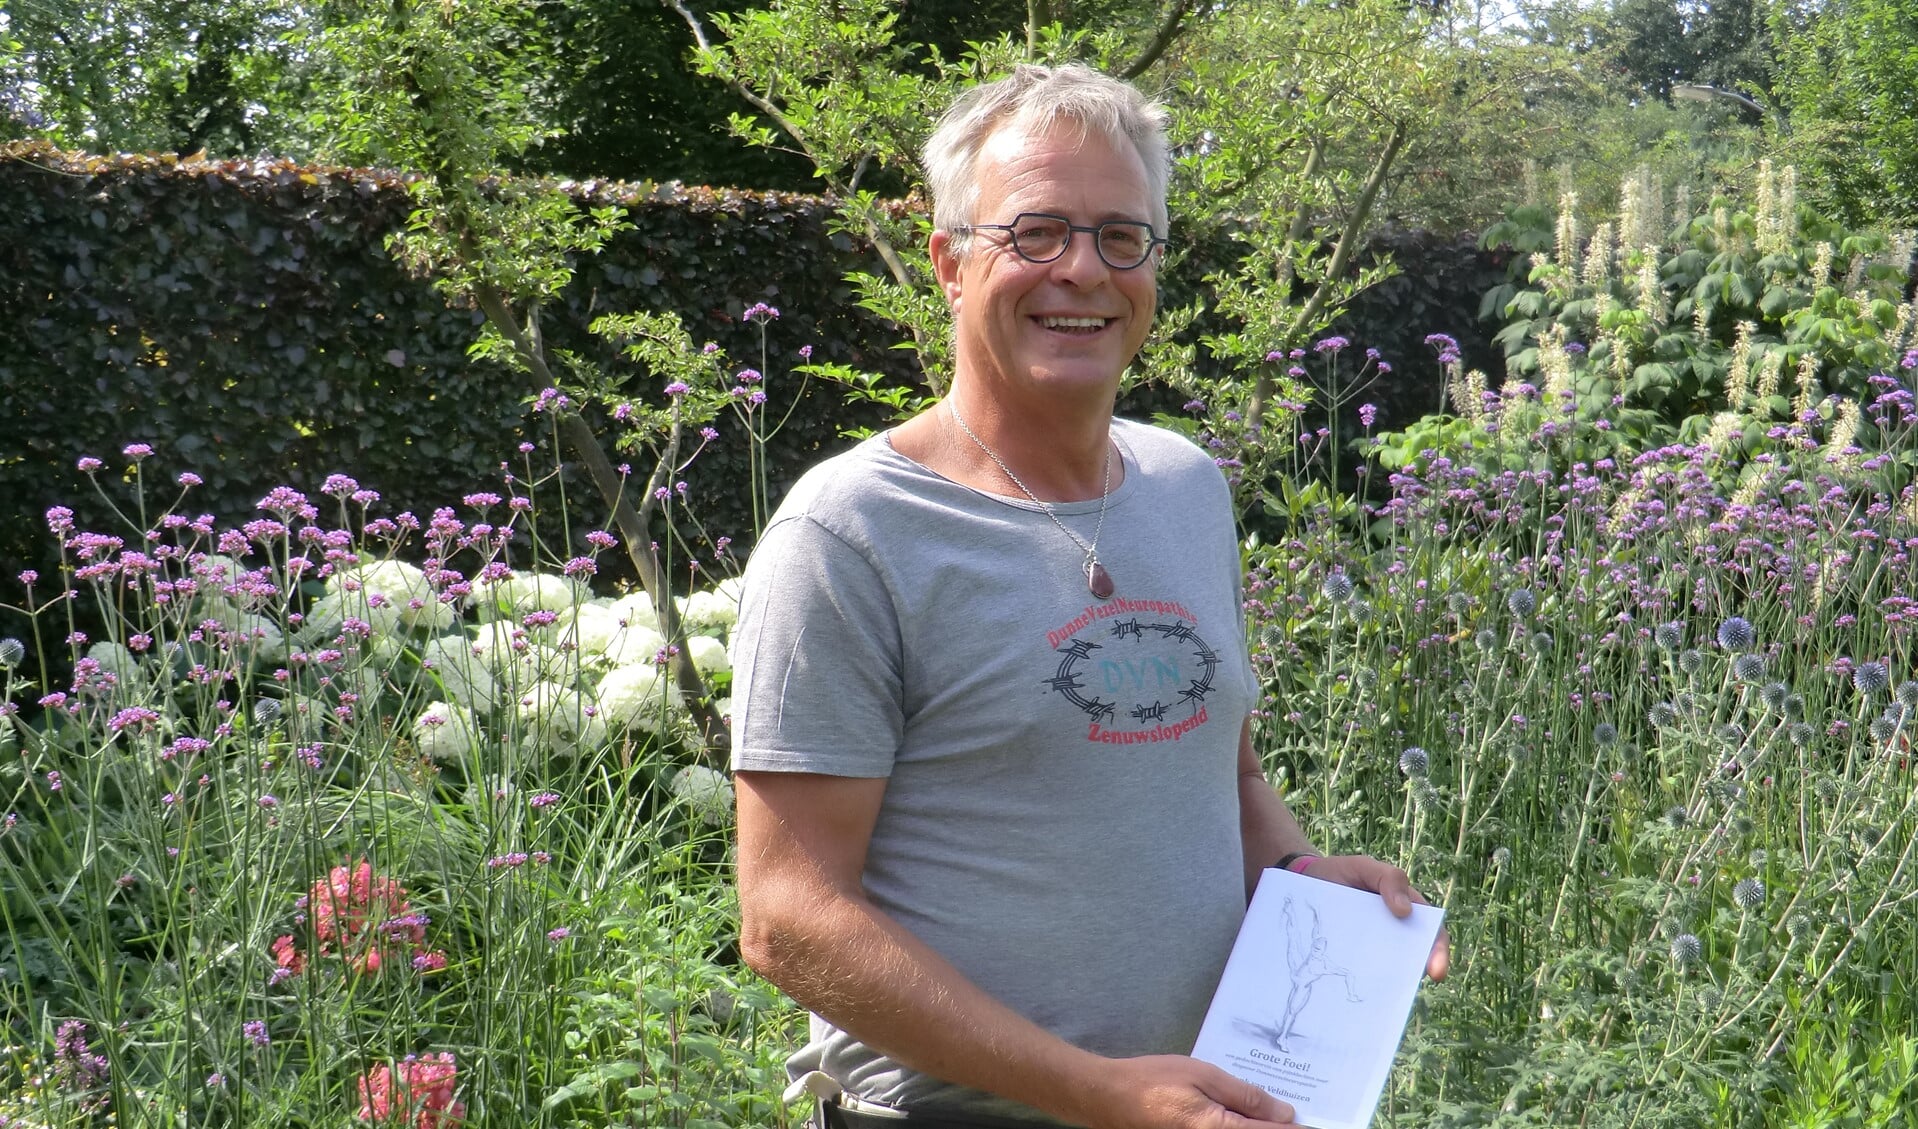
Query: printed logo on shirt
point(1136, 668)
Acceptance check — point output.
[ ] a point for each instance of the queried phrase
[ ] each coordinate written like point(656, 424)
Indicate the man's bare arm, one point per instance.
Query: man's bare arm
point(807, 925)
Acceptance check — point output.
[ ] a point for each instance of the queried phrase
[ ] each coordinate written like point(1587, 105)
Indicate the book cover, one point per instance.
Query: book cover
point(1315, 995)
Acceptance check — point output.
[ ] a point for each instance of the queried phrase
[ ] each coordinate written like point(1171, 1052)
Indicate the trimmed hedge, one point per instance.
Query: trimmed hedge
point(244, 318)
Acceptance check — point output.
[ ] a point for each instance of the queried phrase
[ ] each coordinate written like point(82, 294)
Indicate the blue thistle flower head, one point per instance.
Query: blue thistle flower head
point(1907, 693)
point(1801, 734)
point(1337, 587)
point(1686, 949)
point(1731, 733)
point(1749, 894)
point(1774, 695)
point(1542, 642)
point(1883, 728)
point(1664, 715)
point(1748, 668)
point(1737, 634)
point(1522, 603)
point(1871, 677)
point(1415, 762)
point(1486, 640)
point(1691, 661)
point(1669, 636)
point(1604, 734)
point(11, 652)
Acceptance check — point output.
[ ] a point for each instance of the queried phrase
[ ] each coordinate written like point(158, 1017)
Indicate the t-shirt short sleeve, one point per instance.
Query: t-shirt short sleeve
point(816, 660)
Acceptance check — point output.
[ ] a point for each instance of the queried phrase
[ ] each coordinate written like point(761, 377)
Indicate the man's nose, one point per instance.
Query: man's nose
point(1080, 263)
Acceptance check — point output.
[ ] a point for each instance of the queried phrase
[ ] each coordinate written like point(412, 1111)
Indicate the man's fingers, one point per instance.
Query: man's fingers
point(1246, 1099)
point(1396, 889)
point(1440, 962)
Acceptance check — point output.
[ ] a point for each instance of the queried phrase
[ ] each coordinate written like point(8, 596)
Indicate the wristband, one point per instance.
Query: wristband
point(1296, 862)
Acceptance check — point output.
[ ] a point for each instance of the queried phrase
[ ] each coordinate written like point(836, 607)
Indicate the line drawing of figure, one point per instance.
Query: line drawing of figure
point(1305, 958)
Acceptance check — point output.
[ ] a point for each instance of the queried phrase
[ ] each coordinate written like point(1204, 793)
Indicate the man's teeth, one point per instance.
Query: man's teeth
point(1074, 323)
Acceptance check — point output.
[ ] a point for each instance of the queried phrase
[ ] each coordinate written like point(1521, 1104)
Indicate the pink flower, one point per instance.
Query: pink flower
point(416, 1095)
point(287, 955)
point(361, 918)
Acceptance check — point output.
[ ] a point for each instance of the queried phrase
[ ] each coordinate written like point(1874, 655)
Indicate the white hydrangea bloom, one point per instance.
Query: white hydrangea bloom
point(635, 609)
point(523, 592)
point(587, 628)
point(710, 612)
point(706, 791)
point(116, 660)
point(637, 695)
point(446, 733)
point(256, 635)
point(564, 721)
point(498, 645)
point(732, 588)
point(326, 615)
point(634, 644)
point(460, 671)
point(212, 574)
point(216, 569)
point(537, 662)
point(709, 655)
point(394, 583)
point(385, 651)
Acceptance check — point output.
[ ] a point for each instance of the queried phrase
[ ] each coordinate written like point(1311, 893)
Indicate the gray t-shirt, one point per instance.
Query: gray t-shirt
point(1061, 814)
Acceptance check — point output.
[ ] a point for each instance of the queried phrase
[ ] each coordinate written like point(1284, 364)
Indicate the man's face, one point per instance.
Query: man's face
point(1070, 325)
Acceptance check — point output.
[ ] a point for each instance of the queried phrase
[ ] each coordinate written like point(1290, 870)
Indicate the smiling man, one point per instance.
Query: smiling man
point(999, 812)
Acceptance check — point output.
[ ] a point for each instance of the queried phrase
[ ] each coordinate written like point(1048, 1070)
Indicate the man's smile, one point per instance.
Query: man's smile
point(1077, 326)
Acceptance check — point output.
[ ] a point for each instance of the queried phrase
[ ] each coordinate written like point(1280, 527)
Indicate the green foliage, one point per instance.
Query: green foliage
point(1849, 74)
point(627, 104)
point(1722, 43)
point(227, 76)
point(666, 1032)
point(1737, 318)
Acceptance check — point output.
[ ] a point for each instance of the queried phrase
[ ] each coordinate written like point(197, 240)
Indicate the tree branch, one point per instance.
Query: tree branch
point(1161, 39)
point(888, 254)
point(1354, 224)
point(633, 523)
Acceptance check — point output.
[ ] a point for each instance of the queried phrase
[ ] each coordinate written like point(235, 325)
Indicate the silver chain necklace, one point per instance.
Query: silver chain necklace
point(1098, 580)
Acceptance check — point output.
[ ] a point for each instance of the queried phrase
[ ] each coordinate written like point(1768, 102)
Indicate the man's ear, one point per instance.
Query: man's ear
point(945, 266)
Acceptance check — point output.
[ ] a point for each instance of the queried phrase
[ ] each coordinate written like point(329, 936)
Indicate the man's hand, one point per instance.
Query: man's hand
point(1362, 872)
point(1176, 1092)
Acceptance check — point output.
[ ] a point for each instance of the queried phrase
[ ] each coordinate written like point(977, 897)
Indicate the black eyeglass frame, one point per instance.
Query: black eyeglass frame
point(1152, 242)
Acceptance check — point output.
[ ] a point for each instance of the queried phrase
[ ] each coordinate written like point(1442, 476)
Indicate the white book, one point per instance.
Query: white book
point(1314, 999)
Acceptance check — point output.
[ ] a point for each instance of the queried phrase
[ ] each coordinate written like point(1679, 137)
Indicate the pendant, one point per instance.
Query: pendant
point(1098, 579)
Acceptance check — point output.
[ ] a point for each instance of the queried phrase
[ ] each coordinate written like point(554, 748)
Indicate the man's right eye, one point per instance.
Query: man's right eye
point(1037, 229)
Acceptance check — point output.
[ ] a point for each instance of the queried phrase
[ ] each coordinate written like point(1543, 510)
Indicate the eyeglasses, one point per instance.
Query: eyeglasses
point(1041, 238)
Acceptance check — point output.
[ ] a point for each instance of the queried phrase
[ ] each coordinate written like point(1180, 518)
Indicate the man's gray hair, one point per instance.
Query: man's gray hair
point(1031, 99)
